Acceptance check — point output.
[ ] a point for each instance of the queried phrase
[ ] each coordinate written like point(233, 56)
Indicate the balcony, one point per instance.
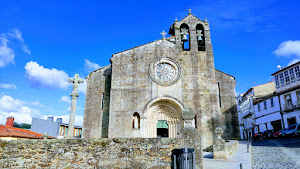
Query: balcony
point(288, 107)
point(246, 113)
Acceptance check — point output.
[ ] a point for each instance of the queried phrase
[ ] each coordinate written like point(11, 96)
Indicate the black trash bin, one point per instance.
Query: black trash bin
point(183, 158)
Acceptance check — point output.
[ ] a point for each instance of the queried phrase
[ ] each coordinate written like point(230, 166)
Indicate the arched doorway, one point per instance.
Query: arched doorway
point(163, 116)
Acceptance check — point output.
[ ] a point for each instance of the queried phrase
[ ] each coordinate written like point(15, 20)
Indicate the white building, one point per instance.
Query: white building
point(246, 108)
point(267, 113)
point(287, 82)
point(267, 107)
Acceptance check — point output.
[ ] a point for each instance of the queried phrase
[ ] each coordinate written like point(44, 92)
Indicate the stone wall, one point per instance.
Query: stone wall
point(228, 117)
point(95, 121)
point(89, 153)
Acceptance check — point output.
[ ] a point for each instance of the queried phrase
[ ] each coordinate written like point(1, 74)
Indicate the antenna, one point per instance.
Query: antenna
point(279, 67)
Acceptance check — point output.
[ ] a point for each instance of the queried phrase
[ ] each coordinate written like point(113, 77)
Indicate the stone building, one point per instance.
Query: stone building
point(144, 90)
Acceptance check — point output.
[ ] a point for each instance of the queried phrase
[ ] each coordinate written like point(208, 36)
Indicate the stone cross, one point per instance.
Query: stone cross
point(74, 96)
point(163, 34)
point(190, 11)
point(75, 82)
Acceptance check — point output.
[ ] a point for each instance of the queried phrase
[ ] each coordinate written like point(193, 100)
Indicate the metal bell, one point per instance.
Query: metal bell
point(199, 35)
point(183, 33)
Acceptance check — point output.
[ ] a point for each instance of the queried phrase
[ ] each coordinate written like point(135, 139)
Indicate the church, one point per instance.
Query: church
point(144, 90)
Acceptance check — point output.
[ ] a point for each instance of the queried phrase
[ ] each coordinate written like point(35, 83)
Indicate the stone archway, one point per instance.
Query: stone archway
point(164, 110)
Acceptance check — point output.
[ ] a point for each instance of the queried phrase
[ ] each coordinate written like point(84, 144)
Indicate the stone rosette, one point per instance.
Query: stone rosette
point(168, 61)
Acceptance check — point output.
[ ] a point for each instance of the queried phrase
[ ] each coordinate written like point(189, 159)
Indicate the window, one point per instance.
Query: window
point(265, 104)
point(287, 78)
point(102, 103)
point(277, 80)
point(288, 99)
point(136, 123)
point(292, 75)
point(297, 71)
point(258, 107)
point(220, 103)
point(272, 102)
point(281, 78)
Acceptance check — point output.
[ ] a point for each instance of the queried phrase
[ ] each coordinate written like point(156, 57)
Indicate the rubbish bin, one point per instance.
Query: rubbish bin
point(183, 158)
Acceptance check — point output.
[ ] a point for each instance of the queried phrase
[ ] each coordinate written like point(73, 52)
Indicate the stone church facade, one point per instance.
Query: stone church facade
point(144, 90)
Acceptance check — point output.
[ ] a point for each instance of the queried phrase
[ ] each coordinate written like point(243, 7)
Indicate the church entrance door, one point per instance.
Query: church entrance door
point(163, 120)
point(162, 128)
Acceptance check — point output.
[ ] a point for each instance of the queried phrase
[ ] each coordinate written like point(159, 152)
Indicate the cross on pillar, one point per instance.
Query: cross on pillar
point(74, 96)
point(190, 11)
point(163, 34)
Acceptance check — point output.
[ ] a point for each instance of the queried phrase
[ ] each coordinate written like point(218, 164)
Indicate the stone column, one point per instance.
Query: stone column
point(171, 128)
point(74, 96)
point(72, 115)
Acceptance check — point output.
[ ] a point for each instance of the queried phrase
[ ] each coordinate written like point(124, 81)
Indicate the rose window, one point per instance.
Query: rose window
point(165, 71)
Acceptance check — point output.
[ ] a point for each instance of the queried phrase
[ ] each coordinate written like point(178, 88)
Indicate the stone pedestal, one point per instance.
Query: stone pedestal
point(192, 137)
point(219, 148)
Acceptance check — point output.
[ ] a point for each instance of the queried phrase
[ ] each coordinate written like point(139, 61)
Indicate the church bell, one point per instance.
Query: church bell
point(199, 35)
point(183, 33)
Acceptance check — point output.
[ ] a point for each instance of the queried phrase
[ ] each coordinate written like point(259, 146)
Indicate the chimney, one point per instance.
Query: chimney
point(59, 120)
point(10, 121)
point(50, 119)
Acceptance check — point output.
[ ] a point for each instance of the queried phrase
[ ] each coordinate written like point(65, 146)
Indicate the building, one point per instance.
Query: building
point(9, 132)
point(53, 128)
point(246, 107)
point(267, 113)
point(287, 82)
point(274, 110)
point(144, 90)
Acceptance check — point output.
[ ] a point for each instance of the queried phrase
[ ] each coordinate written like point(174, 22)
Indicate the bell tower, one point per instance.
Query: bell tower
point(192, 40)
point(191, 33)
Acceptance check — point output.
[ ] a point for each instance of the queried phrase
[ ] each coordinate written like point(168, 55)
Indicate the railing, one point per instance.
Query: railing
point(288, 107)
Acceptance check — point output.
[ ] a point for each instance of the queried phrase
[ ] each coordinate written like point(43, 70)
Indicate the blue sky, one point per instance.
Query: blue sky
point(42, 44)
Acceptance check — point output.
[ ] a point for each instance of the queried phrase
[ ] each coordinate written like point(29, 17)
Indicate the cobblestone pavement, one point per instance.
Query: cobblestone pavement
point(276, 154)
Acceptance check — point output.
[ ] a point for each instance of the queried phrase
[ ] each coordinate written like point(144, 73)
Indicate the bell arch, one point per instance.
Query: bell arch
point(185, 37)
point(200, 37)
point(163, 110)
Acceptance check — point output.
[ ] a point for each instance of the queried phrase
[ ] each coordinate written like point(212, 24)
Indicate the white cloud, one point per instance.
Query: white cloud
point(65, 99)
point(49, 78)
point(7, 55)
point(17, 34)
point(18, 109)
point(293, 61)
point(288, 49)
point(90, 66)
point(7, 86)
point(26, 49)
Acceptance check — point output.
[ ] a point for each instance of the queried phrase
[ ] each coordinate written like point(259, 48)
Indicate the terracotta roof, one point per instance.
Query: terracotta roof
point(6, 131)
